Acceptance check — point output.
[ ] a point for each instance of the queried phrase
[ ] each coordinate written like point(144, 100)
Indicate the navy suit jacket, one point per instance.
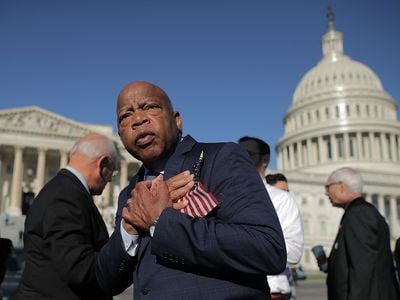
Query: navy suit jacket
point(360, 265)
point(63, 233)
point(225, 255)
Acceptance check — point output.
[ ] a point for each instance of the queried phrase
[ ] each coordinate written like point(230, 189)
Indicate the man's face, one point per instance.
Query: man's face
point(105, 169)
point(146, 123)
point(334, 191)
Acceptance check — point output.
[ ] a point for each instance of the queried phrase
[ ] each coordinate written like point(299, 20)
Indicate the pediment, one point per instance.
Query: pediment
point(35, 120)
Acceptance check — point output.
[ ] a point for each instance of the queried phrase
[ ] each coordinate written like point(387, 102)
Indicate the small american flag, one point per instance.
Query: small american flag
point(201, 202)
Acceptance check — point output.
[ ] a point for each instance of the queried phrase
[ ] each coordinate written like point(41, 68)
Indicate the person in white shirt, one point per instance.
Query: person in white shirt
point(278, 180)
point(288, 214)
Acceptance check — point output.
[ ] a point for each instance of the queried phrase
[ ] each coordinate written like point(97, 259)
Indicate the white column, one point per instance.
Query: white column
point(63, 158)
point(16, 190)
point(398, 143)
point(334, 147)
point(286, 158)
point(372, 145)
point(393, 147)
point(291, 151)
point(384, 147)
point(360, 155)
point(123, 177)
point(368, 198)
point(381, 205)
point(40, 169)
point(300, 154)
point(310, 153)
point(322, 149)
point(394, 218)
point(346, 146)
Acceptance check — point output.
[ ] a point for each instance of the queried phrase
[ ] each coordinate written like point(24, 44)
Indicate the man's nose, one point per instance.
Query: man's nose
point(139, 118)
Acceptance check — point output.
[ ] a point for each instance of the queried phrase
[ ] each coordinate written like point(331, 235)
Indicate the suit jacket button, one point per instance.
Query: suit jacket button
point(145, 291)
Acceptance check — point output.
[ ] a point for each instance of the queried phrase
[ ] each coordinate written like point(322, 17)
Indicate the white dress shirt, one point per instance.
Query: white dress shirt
point(292, 227)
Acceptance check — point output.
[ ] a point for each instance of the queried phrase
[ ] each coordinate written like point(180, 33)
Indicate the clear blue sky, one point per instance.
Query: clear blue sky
point(229, 66)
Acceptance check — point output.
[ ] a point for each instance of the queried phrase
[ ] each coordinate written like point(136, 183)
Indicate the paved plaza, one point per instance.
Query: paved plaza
point(310, 289)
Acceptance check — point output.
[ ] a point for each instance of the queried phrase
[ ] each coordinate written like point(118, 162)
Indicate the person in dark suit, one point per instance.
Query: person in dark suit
point(396, 256)
point(5, 250)
point(64, 230)
point(360, 264)
point(220, 245)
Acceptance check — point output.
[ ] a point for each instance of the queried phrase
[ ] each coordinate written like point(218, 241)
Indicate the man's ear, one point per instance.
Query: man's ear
point(178, 121)
point(102, 164)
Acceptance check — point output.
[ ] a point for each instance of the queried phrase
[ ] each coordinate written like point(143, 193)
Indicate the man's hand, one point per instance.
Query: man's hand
point(128, 227)
point(178, 186)
point(148, 200)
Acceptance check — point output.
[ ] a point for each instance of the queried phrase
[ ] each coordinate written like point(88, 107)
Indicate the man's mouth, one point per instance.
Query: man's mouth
point(144, 139)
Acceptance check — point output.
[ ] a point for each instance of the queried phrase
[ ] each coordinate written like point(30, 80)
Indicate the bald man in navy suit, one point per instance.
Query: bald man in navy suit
point(223, 251)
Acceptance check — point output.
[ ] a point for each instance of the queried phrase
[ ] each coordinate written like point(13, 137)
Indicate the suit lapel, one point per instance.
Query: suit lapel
point(173, 166)
point(175, 163)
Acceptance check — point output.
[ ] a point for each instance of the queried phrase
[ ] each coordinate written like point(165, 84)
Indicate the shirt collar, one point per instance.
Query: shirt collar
point(79, 176)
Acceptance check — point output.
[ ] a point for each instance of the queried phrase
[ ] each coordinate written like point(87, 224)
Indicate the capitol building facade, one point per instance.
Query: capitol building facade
point(340, 116)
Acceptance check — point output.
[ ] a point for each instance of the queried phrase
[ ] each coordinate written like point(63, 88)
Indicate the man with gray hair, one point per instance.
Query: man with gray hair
point(64, 230)
point(360, 265)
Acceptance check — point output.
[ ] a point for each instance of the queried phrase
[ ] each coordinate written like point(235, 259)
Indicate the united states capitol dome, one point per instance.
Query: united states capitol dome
point(335, 71)
point(340, 115)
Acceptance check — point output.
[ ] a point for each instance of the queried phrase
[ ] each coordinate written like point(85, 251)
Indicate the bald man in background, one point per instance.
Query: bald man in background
point(64, 230)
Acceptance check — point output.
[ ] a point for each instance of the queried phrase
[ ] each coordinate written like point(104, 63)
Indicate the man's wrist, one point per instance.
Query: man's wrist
point(153, 226)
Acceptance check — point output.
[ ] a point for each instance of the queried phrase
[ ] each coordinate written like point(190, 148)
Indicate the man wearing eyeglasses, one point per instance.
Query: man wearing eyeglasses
point(360, 265)
point(64, 230)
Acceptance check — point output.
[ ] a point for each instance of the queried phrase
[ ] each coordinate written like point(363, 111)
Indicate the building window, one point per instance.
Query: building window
point(340, 145)
point(352, 143)
point(328, 147)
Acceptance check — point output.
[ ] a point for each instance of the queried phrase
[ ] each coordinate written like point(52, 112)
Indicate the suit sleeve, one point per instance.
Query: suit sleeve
point(244, 236)
point(361, 234)
point(114, 266)
point(67, 241)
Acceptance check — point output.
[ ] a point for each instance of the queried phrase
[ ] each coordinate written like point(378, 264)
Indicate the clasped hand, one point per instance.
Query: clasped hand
point(149, 199)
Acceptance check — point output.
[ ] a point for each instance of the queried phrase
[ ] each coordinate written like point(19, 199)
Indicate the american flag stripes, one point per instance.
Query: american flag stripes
point(201, 202)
